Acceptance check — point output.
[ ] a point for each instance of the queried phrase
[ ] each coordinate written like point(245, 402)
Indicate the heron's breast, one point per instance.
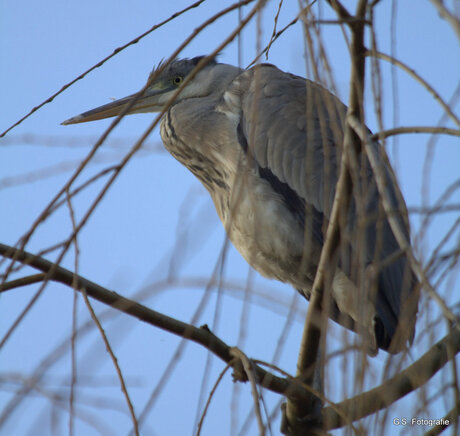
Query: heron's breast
point(263, 230)
point(196, 148)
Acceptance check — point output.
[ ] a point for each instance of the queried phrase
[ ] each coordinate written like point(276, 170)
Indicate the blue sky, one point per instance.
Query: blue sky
point(130, 242)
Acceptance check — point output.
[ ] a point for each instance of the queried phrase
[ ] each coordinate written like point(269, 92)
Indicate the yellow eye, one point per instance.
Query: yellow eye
point(178, 80)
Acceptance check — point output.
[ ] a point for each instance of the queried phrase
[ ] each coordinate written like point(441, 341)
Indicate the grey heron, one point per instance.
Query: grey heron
point(266, 144)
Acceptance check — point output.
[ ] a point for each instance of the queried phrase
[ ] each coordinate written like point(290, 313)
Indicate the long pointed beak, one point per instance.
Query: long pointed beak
point(149, 102)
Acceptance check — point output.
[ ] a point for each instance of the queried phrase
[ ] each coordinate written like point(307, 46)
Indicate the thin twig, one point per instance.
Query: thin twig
point(174, 360)
point(419, 79)
point(211, 394)
point(279, 33)
point(114, 360)
point(102, 62)
point(23, 281)
point(84, 185)
point(275, 24)
point(250, 373)
point(414, 129)
point(73, 338)
point(453, 20)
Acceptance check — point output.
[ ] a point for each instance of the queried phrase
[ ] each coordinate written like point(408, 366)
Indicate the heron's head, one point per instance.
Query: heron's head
point(163, 83)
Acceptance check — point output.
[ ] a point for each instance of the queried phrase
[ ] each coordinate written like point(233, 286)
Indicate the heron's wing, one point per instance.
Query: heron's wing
point(281, 114)
point(294, 130)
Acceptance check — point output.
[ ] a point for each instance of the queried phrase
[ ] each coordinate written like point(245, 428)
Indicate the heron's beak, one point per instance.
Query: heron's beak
point(149, 102)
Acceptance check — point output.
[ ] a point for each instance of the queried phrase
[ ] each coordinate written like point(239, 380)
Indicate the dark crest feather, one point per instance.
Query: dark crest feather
point(178, 63)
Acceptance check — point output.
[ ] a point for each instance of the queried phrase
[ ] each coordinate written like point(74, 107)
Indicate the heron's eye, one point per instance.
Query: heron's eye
point(177, 80)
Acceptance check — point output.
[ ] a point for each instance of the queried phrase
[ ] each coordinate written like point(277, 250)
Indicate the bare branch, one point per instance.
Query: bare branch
point(450, 17)
point(211, 394)
point(250, 374)
point(445, 421)
point(333, 416)
point(23, 281)
point(407, 381)
point(202, 335)
point(419, 79)
point(102, 62)
point(414, 129)
point(114, 360)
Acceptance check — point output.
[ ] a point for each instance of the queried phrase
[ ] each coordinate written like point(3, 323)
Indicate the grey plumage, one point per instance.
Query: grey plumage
point(266, 145)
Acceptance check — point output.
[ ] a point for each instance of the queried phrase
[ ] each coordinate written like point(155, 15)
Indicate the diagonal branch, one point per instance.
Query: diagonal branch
point(392, 390)
point(23, 281)
point(100, 63)
point(450, 17)
point(334, 416)
point(418, 78)
point(114, 360)
point(200, 335)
